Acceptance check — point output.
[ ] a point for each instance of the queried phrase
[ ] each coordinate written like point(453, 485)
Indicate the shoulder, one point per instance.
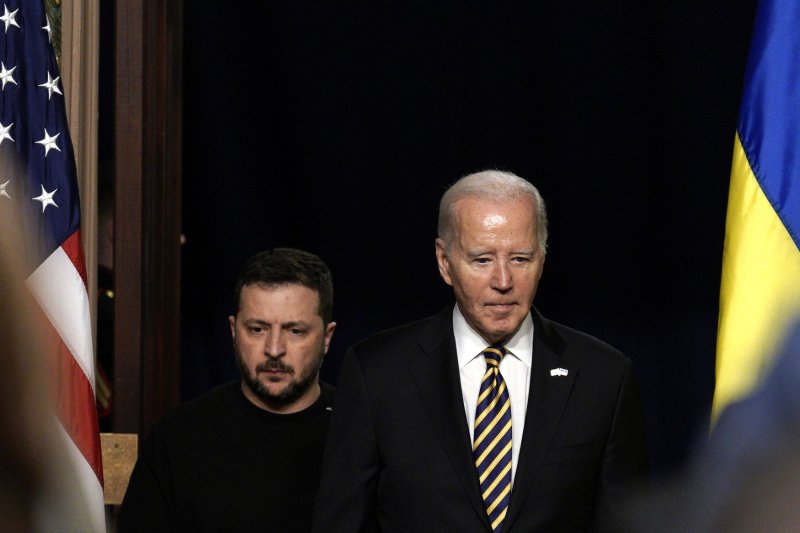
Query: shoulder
point(578, 345)
point(198, 411)
point(406, 333)
point(421, 335)
point(576, 338)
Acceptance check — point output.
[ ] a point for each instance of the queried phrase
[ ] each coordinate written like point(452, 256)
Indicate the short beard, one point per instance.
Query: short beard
point(289, 395)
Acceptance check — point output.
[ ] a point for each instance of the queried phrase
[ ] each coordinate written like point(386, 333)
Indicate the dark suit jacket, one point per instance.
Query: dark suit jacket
point(398, 456)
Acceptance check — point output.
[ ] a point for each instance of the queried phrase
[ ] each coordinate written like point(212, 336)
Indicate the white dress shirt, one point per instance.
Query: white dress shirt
point(515, 368)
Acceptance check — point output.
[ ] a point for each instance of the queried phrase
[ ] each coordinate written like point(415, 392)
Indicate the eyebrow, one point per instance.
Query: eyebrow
point(290, 324)
point(472, 254)
point(295, 323)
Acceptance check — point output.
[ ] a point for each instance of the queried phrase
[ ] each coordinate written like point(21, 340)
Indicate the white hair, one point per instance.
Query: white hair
point(491, 185)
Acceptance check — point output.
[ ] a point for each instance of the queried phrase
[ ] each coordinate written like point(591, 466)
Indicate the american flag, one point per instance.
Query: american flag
point(39, 183)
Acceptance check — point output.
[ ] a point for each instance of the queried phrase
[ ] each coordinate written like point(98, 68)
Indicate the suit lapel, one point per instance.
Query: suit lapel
point(547, 398)
point(434, 370)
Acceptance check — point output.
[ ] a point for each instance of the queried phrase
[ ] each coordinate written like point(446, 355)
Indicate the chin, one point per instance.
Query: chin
point(272, 388)
point(503, 333)
point(492, 336)
point(276, 387)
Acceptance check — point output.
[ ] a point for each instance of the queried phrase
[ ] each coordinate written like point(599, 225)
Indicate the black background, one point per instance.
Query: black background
point(335, 127)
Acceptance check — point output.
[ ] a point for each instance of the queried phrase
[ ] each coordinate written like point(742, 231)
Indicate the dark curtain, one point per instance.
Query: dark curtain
point(336, 127)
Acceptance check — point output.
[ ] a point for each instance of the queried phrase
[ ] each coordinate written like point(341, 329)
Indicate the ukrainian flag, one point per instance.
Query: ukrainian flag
point(760, 290)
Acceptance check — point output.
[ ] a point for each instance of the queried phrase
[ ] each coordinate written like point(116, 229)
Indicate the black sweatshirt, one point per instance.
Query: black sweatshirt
point(219, 463)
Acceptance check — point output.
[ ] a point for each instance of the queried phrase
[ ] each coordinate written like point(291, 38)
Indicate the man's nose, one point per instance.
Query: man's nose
point(501, 279)
point(275, 343)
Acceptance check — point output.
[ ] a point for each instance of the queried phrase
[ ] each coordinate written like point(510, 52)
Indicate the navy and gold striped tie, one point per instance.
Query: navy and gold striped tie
point(492, 443)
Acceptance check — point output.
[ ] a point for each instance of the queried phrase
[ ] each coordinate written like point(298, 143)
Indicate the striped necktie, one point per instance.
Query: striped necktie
point(492, 443)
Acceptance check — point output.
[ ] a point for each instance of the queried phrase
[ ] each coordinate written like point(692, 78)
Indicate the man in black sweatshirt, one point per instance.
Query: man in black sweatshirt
point(246, 456)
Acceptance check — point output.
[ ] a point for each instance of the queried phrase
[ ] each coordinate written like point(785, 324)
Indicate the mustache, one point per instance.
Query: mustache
point(274, 365)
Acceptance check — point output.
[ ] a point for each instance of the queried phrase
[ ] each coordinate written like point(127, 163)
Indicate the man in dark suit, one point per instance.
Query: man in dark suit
point(487, 416)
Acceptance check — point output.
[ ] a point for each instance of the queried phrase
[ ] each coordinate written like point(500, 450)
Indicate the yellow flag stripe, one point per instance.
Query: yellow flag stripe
point(760, 289)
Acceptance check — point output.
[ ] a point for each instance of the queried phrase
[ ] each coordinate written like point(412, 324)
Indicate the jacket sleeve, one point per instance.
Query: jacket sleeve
point(346, 500)
point(625, 466)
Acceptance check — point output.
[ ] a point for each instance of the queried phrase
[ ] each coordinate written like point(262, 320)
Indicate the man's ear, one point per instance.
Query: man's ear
point(329, 334)
point(443, 261)
point(232, 321)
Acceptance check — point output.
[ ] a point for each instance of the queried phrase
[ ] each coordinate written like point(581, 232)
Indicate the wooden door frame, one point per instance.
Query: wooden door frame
point(147, 218)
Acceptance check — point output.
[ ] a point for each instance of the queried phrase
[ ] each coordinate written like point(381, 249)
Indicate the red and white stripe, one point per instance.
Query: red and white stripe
point(59, 287)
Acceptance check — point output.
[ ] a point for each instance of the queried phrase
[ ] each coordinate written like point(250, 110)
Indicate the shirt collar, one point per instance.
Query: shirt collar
point(469, 344)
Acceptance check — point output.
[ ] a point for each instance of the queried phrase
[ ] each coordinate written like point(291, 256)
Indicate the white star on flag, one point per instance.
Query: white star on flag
point(4, 132)
point(46, 198)
point(49, 142)
point(3, 187)
point(48, 29)
point(51, 85)
point(9, 18)
point(6, 75)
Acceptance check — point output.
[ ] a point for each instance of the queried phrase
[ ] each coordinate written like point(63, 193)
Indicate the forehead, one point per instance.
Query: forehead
point(286, 301)
point(476, 217)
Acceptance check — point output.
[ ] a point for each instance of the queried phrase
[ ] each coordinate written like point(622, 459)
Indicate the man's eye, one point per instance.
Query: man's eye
point(482, 260)
point(297, 331)
point(255, 330)
point(521, 259)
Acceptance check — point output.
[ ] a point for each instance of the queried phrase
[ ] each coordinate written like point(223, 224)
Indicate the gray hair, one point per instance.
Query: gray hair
point(491, 185)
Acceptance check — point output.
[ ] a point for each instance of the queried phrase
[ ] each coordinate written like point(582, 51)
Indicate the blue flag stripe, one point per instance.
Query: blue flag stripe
point(769, 118)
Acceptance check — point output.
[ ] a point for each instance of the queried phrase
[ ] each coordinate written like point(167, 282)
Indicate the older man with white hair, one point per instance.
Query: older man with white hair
point(487, 416)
